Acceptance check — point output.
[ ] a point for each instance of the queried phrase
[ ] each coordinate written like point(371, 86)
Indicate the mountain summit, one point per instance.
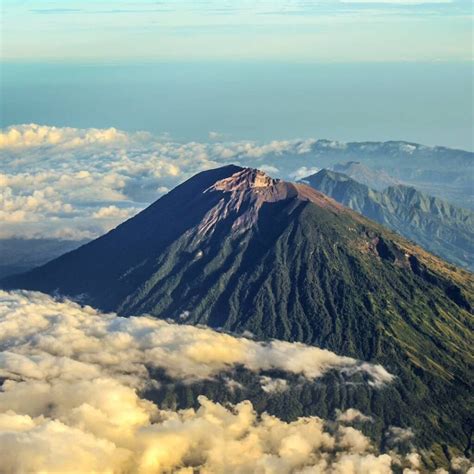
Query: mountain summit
point(236, 249)
point(246, 191)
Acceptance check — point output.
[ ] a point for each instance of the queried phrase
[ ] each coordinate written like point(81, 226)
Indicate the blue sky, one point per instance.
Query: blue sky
point(305, 31)
point(260, 70)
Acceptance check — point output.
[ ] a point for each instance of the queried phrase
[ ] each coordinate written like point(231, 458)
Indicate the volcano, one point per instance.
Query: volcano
point(233, 248)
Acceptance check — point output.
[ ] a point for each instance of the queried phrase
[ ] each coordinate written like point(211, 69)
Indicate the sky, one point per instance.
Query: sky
point(288, 31)
point(253, 70)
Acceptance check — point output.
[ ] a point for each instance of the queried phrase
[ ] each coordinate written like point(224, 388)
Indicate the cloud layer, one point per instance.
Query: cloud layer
point(71, 401)
point(41, 337)
point(78, 183)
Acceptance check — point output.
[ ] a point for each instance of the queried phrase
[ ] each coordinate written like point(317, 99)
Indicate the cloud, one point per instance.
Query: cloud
point(458, 465)
point(398, 2)
point(303, 172)
point(105, 343)
point(70, 400)
point(215, 136)
point(462, 464)
point(102, 176)
point(113, 212)
point(271, 385)
point(213, 438)
point(33, 135)
point(351, 415)
point(52, 446)
point(273, 170)
point(18, 208)
point(396, 436)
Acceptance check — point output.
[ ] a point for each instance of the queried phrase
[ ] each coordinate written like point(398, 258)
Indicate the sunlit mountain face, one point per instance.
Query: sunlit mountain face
point(236, 237)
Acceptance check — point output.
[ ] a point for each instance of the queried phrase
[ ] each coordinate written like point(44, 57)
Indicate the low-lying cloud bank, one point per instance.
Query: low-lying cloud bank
point(42, 338)
point(70, 400)
point(72, 183)
point(86, 181)
point(87, 433)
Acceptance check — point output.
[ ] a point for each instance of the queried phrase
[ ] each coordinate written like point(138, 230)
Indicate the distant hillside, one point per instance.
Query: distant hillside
point(19, 255)
point(361, 173)
point(436, 225)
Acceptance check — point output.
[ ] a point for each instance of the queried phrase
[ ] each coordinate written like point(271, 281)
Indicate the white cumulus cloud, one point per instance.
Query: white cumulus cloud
point(95, 169)
point(303, 172)
point(351, 415)
point(42, 329)
point(70, 400)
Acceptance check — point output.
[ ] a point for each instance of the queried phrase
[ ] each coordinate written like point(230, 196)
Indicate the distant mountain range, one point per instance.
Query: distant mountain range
point(436, 225)
point(361, 173)
point(233, 248)
point(439, 171)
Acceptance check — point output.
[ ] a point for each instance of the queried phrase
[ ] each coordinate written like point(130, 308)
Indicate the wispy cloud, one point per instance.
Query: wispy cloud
point(55, 11)
point(215, 30)
point(399, 2)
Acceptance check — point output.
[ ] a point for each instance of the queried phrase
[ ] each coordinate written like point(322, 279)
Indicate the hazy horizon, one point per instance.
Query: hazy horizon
point(350, 70)
point(427, 103)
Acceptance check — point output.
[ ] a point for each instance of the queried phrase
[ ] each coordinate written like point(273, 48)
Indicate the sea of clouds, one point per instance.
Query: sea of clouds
point(77, 183)
point(71, 399)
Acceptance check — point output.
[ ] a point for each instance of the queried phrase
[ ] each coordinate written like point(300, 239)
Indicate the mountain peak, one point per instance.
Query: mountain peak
point(242, 195)
point(246, 178)
point(247, 189)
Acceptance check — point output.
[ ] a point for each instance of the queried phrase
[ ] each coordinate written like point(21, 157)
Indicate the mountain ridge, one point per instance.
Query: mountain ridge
point(435, 224)
point(438, 171)
point(378, 180)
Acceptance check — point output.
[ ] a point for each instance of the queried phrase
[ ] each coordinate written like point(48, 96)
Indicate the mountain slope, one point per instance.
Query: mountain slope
point(236, 249)
point(435, 224)
point(374, 179)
